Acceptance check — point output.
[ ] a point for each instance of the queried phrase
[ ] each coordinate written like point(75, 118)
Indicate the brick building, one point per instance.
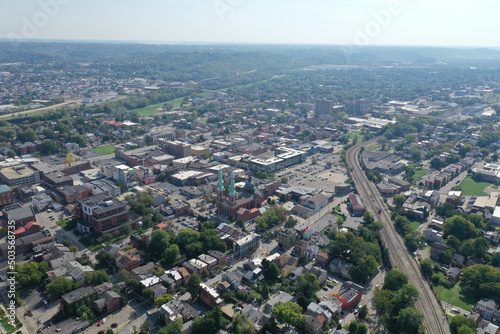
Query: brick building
point(101, 214)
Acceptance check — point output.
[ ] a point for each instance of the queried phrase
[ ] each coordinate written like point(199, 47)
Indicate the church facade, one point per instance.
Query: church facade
point(242, 204)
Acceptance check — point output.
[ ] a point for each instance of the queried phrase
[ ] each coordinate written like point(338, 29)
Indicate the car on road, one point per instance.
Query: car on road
point(45, 303)
point(49, 210)
point(39, 321)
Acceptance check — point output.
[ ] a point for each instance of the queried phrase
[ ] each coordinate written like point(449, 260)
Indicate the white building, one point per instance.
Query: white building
point(124, 173)
point(41, 202)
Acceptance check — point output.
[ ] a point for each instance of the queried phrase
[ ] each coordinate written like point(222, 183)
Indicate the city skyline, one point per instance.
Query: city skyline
point(362, 22)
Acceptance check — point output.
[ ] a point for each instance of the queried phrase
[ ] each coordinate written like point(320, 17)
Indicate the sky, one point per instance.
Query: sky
point(360, 22)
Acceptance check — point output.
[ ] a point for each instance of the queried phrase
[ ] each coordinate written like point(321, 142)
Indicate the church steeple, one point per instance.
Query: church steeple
point(220, 183)
point(232, 187)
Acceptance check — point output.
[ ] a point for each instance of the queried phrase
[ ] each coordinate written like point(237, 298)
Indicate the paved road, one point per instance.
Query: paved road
point(31, 111)
point(45, 221)
point(434, 321)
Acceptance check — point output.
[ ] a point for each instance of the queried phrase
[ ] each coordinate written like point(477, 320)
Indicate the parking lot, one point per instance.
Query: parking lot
point(41, 312)
point(316, 175)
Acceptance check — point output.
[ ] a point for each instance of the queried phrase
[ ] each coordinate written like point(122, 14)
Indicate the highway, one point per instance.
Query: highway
point(434, 321)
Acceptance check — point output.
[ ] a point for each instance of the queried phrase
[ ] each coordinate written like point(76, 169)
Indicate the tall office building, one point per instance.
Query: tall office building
point(323, 107)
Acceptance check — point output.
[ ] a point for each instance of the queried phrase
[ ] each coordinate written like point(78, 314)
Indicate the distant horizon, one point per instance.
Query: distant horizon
point(427, 23)
point(201, 43)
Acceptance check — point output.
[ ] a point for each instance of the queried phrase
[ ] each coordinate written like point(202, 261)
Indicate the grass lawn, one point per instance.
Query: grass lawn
point(414, 225)
point(471, 187)
point(372, 147)
point(153, 109)
point(104, 150)
point(5, 324)
point(421, 172)
point(455, 296)
point(67, 224)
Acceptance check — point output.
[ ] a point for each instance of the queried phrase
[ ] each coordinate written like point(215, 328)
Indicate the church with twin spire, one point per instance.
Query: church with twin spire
point(241, 204)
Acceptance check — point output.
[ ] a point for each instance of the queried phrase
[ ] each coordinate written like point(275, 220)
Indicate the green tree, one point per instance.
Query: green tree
point(148, 296)
point(106, 261)
point(482, 280)
point(242, 325)
point(405, 296)
point(410, 320)
point(460, 228)
point(174, 327)
point(162, 300)
point(271, 270)
point(193, 286)
point(481, 246)
point(495, 260)
point(427, 267)
point(264, 291)
point(289, 314)
point(395, 279)
point(123, 275)
point(97, 277)
point(362, 329)
point(465, 330)
point(365, 267)
point(171, 255)
point(308, 285)
point(109, 331)
point(460, 321)
point(302, 260)
point(59, 287)
point(160, 241)
point(399, 200)
point(85, 312)
point(32, 273)
point(368, 217)
point(363, 312)
point(453, 242)
point(353, 327)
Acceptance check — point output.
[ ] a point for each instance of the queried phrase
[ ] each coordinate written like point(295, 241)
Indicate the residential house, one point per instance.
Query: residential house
point(58, 256)
point(436, 250)
point(110, 300)
point(486, 307)
point(311, 252)
point(28, 229)
point(221, 257)
point(313, 326)
point(209, 261)
point(453, 274)
point(158, 290)
point(320, 274)
point(280, 297)
point(143, 272)
point(323, 259)
point(72, 300)
point(209, 296)
point(177, 308)
point(286, 238)
point(341, 268)
point(233, 278)
point(349, 295)
point(300, 247)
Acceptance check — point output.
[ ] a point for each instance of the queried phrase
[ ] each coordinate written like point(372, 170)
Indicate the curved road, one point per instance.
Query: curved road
point(434, 321)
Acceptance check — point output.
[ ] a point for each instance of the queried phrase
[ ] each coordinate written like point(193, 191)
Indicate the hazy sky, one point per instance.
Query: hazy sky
point(382, 22)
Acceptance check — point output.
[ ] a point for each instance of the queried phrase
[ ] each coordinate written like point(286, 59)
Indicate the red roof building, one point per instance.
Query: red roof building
point(355, 205)
point(349, 295)
point(28, 229)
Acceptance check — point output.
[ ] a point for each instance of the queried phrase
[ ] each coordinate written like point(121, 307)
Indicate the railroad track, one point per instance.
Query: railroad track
point(434, 319)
